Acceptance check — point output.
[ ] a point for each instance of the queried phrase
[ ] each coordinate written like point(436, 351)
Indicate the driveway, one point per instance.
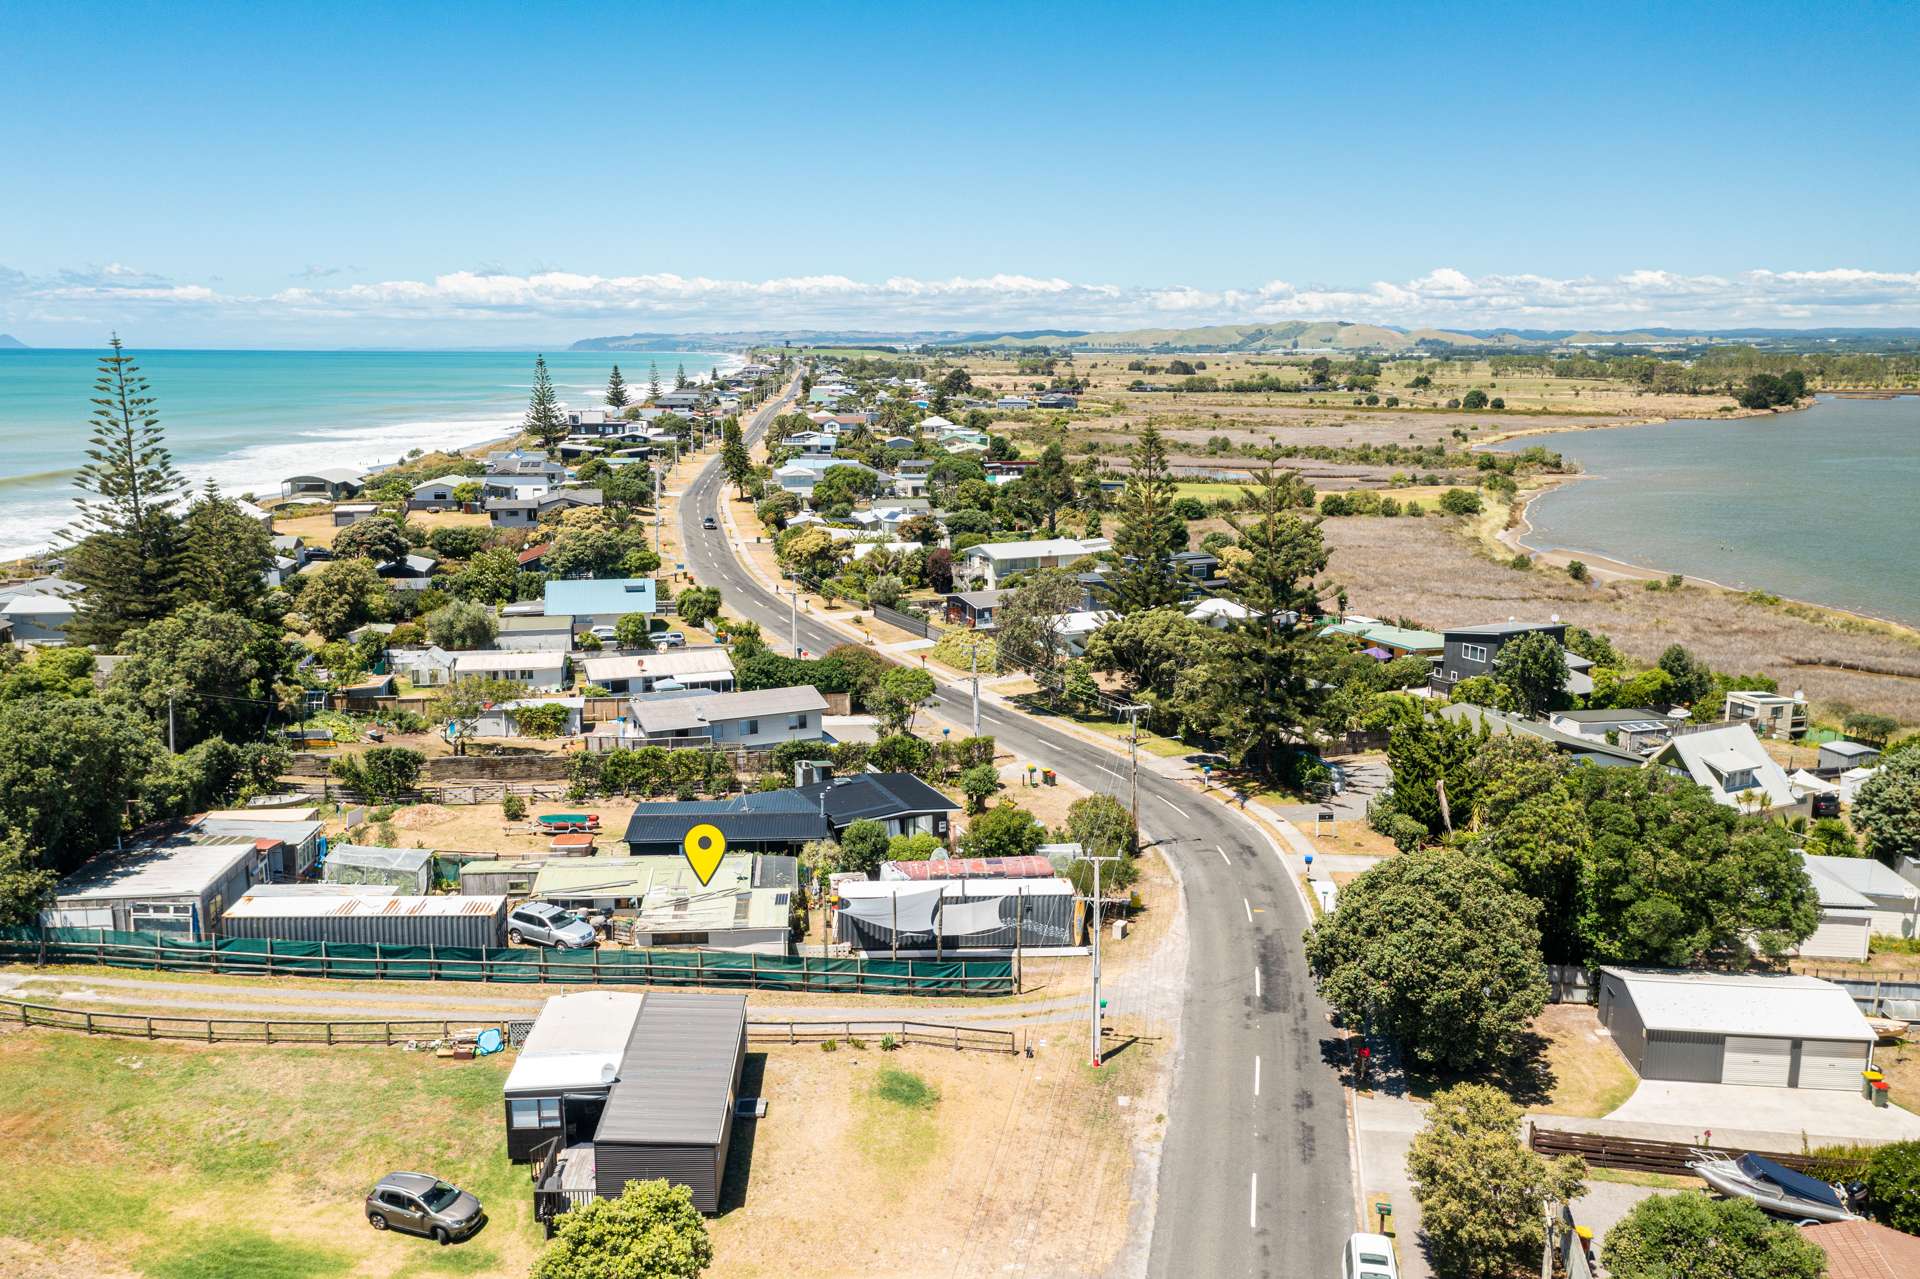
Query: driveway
point(1747, 1115)
point(1367, 776)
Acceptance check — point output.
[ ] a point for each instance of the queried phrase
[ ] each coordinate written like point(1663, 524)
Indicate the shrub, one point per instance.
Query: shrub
point(1893, 1185)
point(1460, 502)
point(1577, 571)
point(385, 772)
point(513, 808)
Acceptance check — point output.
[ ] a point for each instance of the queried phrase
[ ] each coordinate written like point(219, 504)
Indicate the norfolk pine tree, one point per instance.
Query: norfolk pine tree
point(734, 458)
point(127, 552)
point(1143, 545)
point(544, 421)
point(616, 390)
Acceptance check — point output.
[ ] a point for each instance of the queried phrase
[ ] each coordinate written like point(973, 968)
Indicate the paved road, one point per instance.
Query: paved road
point(1255, 1176)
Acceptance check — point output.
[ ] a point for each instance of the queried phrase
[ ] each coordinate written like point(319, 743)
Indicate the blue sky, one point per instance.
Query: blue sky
point(218, 174)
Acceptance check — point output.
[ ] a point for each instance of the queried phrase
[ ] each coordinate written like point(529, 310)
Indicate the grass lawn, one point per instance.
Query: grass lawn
point(1589, 1076)
point(241, 1160)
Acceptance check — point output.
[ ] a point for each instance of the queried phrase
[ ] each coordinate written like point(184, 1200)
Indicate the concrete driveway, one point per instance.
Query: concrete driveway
point(1741, 1114)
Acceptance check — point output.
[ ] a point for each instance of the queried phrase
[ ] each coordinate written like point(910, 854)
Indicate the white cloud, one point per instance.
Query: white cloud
point(494, 303)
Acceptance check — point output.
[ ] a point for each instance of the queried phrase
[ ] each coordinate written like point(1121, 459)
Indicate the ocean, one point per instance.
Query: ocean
point(1817, 505)
point(247, 419)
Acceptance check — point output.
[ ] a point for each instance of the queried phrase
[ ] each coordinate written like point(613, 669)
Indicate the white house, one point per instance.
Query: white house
point(1734, 767)
point(991, 562)
point(516, 487)
point(796, 479)
point(707, 667)
point(537, 671)
point(812, 443)
point(1218, 613)
point(37, 619)
point(1846, 916)
point(435, 494)
point(765, 717)
point(1891, 902)
point(499, 720)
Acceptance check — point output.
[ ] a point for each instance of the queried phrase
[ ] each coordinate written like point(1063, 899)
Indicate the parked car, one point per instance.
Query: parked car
point(605, 634)
point(544, 924)
point(670, 639)
point(424, 1205)
point(1368, 1257)
point(1826, 803)
point(709, 522)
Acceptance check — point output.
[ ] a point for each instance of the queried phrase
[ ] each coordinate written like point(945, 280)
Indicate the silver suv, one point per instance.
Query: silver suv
point(544, 924)
point(423, 1205)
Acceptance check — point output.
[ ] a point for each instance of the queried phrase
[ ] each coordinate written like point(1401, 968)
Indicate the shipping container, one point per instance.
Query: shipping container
point(370, 920)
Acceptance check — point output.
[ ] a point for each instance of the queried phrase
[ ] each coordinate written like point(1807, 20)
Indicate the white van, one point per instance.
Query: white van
point(1368, 1257)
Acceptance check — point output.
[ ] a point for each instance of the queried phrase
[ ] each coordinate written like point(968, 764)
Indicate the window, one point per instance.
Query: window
point(750, 728)
point(797, 721)
point(1473, 652)
point(533, 1112)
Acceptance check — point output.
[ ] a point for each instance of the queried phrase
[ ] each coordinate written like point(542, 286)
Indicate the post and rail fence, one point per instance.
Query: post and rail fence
point(348, 1032)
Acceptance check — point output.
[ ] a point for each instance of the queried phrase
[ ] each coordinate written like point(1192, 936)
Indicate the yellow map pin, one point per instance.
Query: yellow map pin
point(704, 846)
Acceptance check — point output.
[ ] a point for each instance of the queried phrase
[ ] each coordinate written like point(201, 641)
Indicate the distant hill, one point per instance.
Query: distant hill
point(8, 342)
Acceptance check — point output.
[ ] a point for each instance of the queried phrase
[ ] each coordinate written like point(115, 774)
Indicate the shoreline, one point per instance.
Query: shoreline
point(1511, 535)
point(496, 430)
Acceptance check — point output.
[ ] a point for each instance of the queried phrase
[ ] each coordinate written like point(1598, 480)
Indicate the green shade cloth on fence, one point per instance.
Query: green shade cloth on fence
point(255, 956)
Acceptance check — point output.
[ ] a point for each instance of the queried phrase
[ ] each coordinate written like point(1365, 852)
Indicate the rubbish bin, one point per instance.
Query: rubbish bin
point(1046, 775)
point(1880, 1093)
point(1868, 1078)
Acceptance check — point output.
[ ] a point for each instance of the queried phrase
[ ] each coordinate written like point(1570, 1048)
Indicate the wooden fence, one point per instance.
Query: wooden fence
point(364, 1031)
point(1669, 1157)
point(934, 1034)
point(219, 1030)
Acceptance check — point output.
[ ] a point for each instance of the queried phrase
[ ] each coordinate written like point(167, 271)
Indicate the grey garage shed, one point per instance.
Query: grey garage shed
point(670, 1114)
point(1777, 1029)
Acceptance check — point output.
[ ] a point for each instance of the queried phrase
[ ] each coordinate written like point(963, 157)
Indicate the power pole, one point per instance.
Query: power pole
point(1093, 913)
point(1133, 769)
point(171, 748)
point(973, 652)
point(793, 621)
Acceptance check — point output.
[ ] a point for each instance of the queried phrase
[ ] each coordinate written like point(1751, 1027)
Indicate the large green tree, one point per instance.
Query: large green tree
point(1672, 878)
point(1535, 668)
point(70, 774)
point(734, 458)
point(1432, 760)
point(1256, 694)
point(1525, 818)
point(340, 597)
point(544, 422)
point(1437, 949)
point(1149, 533)
point(378, 539)
point(1148, 649)
point(126, 547)
point(1051, 484)
point(616, 389)
point(26, 881)
point(1005, 830)
point(227, 556)
point(460, 624)
point(1690, 1236)
point(652, 1231)
point(1887, 810)
point(1030, 620)
point(1482, 1193)
point(201, 673)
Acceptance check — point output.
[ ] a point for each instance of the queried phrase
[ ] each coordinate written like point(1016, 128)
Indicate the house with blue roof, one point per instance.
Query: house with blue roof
point(594, 602)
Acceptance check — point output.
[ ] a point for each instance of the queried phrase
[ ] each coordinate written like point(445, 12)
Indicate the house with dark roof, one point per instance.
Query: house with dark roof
point(779, 821)
point(903, 803)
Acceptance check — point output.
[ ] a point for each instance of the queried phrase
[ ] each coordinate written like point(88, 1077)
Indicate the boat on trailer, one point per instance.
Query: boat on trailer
point(1776, 1189)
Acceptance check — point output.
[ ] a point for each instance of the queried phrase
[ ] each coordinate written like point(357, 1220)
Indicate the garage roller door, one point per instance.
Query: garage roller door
point(1831, 1063)
point(1752, 1060)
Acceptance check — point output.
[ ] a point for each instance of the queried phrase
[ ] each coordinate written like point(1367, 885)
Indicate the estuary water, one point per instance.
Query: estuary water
point(248, 419)
point(1821, 505)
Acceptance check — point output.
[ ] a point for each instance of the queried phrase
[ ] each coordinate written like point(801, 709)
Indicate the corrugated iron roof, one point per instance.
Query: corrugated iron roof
point(676, 1076)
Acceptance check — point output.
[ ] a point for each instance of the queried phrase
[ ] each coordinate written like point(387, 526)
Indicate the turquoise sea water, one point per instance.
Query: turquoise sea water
point(247, 419)
point(1818, 505)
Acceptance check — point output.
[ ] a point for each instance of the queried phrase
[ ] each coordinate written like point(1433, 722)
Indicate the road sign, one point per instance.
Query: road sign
point(704, 846)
